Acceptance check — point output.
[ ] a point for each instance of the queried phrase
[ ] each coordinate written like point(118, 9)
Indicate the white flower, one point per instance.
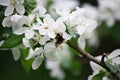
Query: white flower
point(81, 41)
point(56, 71)
point(61, 29)
point(84, 29)
point(114, 56)
point(26, 42)
point(50, 51)
point(109, 10)
point(39, 53)
point(86, 26)
point(46, 27)
point(17, 23)
point(64, 57)
point(40, 11)
point(13, 4)
point(91, 11)
point(79, 22)
point(18, 27)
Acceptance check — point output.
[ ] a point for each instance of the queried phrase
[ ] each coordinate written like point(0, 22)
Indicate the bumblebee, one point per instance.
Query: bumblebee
point(59, 39)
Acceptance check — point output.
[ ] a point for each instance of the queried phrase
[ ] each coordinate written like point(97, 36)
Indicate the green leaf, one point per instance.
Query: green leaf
point(113, 68)
point(12, 41)
point(98, 76)
point(26, 63)
point(29, 5)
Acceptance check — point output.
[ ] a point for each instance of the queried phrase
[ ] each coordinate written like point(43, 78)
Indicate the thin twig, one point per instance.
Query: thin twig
point(92, 58)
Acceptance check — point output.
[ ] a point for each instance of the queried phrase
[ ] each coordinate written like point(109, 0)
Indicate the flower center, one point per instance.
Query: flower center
point(13, 2)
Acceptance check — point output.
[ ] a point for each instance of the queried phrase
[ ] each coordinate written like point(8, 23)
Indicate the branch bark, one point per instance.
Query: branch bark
point(92, 58)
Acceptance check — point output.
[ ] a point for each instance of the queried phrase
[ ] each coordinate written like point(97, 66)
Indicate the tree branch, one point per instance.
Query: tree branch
point(92, 58)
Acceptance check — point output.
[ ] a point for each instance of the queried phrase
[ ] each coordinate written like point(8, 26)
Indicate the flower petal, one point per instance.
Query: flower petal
point(36, 63)
point(4, 2)
point(116, 60)
point(26, 42)
point(20, 8)
point(94, 67)
point(81, 29)
point(30, 55)
point(7, 22)
point(92, 24)
point(43, 40)
point(60, 26)
point(29, 33)
point(50, 51)
point(9, 10)
point(34, 53)
point(90, 77)
point(66, 36)
point(16, 53)
point(106, 78)
point(1, 42)
point(19, 31)
point(115, 53)
point(51, 34)
point(81, 41)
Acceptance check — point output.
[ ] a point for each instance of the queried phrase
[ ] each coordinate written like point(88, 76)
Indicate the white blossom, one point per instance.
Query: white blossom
point(114, 56)
point(39, 54)
point(64, 57)
point(109, 10)
point(91, 11)
point(46, 27)
point(11, 5)
point(56, 71)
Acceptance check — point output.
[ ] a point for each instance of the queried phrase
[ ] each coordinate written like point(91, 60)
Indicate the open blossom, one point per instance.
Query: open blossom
point(81, 24)
point(39, 11)
point(91, 11)
point(109, 10)
point(64, 56)
point(56, 71)
point(11, 5)
point(16, 22)
point(39, 54)
point(46, 27)
point(114, 56)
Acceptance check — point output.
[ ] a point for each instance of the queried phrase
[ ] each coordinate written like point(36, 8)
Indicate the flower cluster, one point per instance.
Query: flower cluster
point(45, 30)
point(43, 35)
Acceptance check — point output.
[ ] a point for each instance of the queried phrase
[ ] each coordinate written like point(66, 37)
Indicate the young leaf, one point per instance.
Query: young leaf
point(12, 41)
point(113, 68)
point(98, 76)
